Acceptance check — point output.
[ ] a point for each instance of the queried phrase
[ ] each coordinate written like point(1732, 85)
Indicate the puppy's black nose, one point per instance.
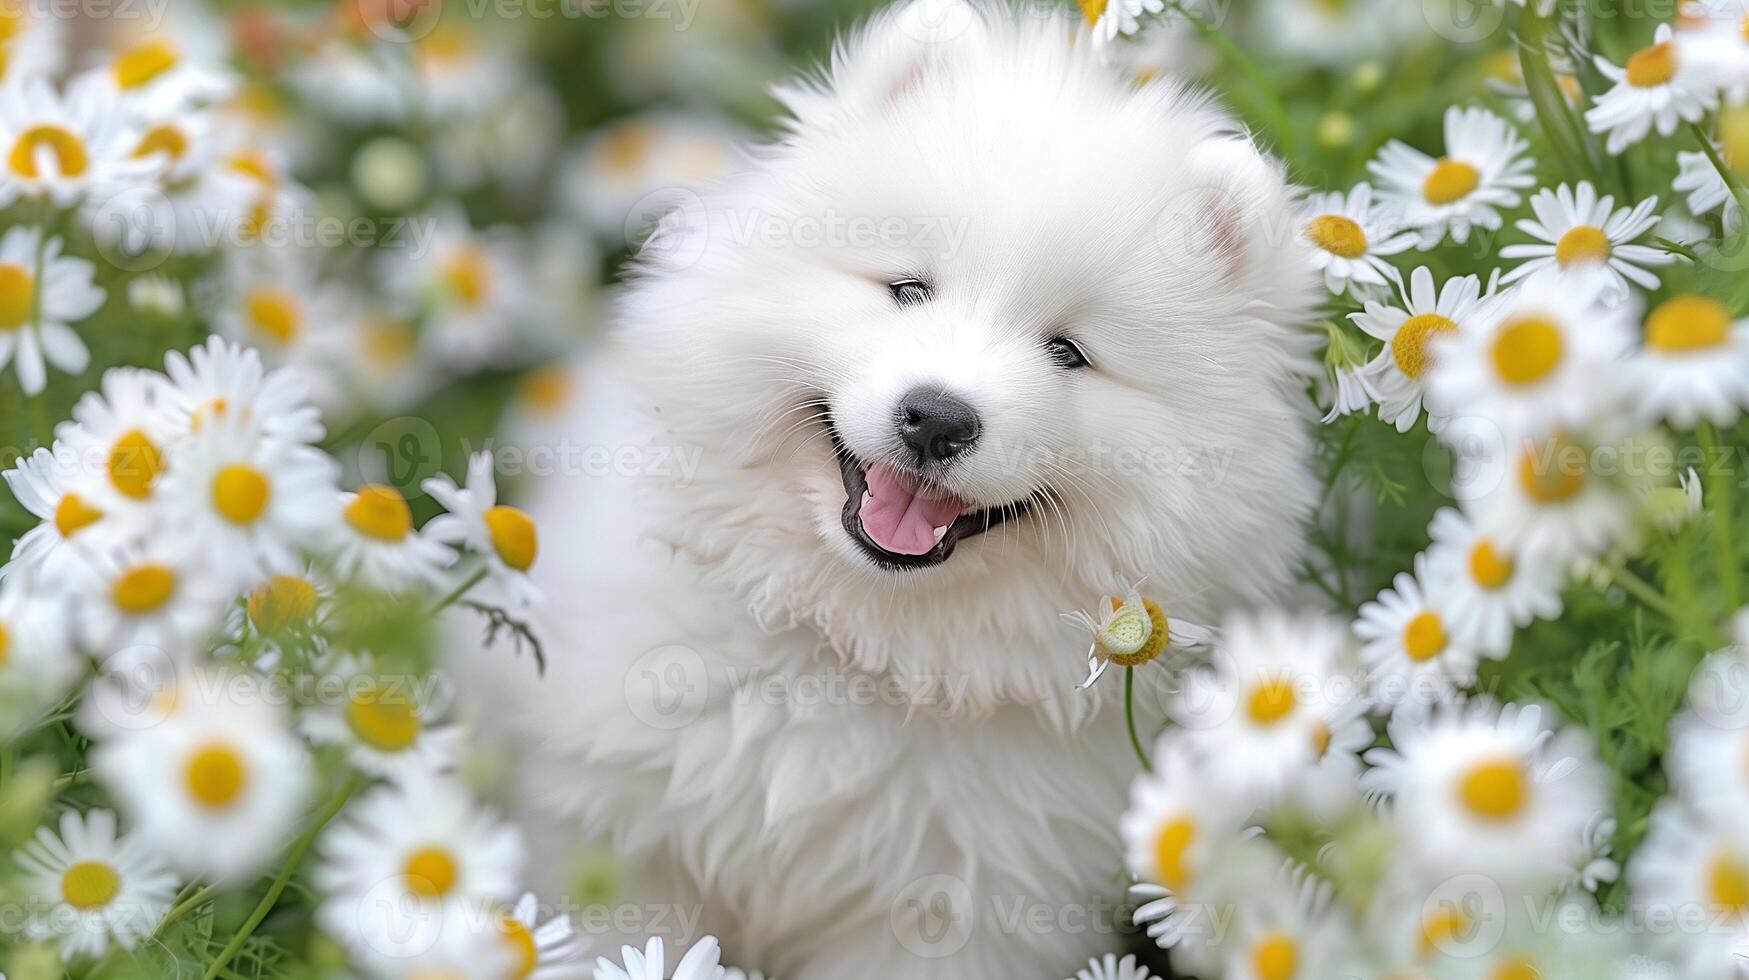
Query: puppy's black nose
point(935, 425)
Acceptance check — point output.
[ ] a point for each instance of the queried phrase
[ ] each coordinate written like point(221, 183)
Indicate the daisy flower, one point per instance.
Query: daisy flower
point(390, 725)
point(504, 535)
point(1112, 968)
point(222, 378)
point(173, 66)
point(473, 287)
point(1398, 373)
point(1414, 654)
point(1659, 86)
point(1709, 741)
point(1289, 928)
point(375, 361)
point(285, 602)
point(405, 853)
point(375, 542)
point(218, 786)
point(1350, 235)
point(37, 663)
point(275, 303)
point(35, 310)
point(31, 41)
point(699, 963)
point(1108, 19)
point(253, 502)
point(63, 147)
point(1575, 228)
point(643, 162)
point(119, 433)
point(1172, 824)
point(197, 202)
point(1270, 706)
point(1484, 789)
point(50, 484)
point(88, 889)
point(1538, 360)
point(157, 593)
point(1130, 631)
point(1484, 167)
point(1561, 497)
point(550, 950)
point(1705, 186)
point(456, 942)
point(1487, 589)
point(1693, 872)
point(462, 73)
point(1694, 365)
point(1195, 925)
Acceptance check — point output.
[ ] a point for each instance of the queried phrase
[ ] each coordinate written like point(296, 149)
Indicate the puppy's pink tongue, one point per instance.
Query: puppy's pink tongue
point(901, 517)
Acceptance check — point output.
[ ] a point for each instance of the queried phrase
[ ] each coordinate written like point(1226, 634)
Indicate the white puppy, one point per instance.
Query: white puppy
point(988, 333)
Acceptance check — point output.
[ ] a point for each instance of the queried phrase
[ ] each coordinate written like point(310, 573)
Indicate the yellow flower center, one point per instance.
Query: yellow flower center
point(430, 872)
point(1582, 243)
point(68, 150)
point(1450, 181)
point(143, 587)
point(166, 139)
point(1092, 9)
point(1653, 66)
point(1320, 740)
point(1557, 479)
point(379, 512)
point(1494, 790)
point(1688, 323)
point(5, 643)
point(1337, 235)
point(513, 536)
point(383, 717)
point(1728, 882)
point(281, 602)
point(1275, 957)
point(467, 276)
point(134, 464)
point(1424, 636)
point(72, 514)
point(1171, 846)
point(1409, 343)
point(216, 776)
point(1517, 968)
point(275, 312)
point(1270, 700)
point(144, 62)
point(386, 341)
point(240, 493)
point(89, 885)
point(256, 166)
point(523, 952)
point(630, 143)
point(1526, 350)
point(545, 389)
point(17, 295)
point(1488, 567)
point(1441, 926)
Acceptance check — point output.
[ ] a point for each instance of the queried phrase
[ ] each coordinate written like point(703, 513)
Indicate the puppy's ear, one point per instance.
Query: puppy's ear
point(877, 65)
point(1240, 208)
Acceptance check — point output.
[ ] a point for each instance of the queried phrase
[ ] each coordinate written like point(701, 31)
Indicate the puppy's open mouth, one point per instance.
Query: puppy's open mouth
point(901, 522)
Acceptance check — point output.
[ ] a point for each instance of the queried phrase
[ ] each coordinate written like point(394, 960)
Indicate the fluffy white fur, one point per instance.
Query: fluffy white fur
point(832, 736)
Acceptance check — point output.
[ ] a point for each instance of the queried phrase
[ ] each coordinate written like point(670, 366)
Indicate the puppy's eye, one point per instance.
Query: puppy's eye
point(909, 292)
point(1065, 353)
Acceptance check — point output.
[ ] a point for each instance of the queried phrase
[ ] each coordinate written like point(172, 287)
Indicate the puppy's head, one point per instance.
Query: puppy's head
point(987, 309)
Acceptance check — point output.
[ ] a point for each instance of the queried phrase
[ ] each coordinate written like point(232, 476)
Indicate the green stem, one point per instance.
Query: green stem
point(293, 858)
point(1272, 107)
point(1546, 97)
point(1649, 596)
point(461, 590)
point(1730, 177)
point(182, 908)
point(1724, 503)
point(1129, 716)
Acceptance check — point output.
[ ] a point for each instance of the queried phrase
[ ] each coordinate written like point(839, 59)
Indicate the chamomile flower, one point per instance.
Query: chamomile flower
point(170, 67)
point(1289, 927)
point(1575, 228)
point(50, 484)
point(1485, 789)
point(224, 379)
point(32, 40)
point(274, 302)
point(157, 593)
point(1398, 374)
point(701, 962)
point(253, 502)
point(1130, 631)
point(1112, 968)
point(1350, 235)
point(1173, 824)
point(1279, 691)
point(1708, 761)
point(473, 287)
point(1694, 365)
point(1484, 168)
point(1354, 393)
point(1660, 86)
point(1540, 359)
point(37, 662)
point(457, 943)
point(375, 542)
point(404, 854)
point(1695, 870)
point(504, 536)
point(1706, 188)
point(61, 147)
point(1414, 654)
point(1195, 923)
point(89, 889)
point(42, 292)
point(549, 950)
point(287, 602)
point(390, 725)
point(1488, 591)
point(461, 73)
point(646, 161)
point(120, 434)
point(195, 203)
point(217, 787)
point(1560, 497)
